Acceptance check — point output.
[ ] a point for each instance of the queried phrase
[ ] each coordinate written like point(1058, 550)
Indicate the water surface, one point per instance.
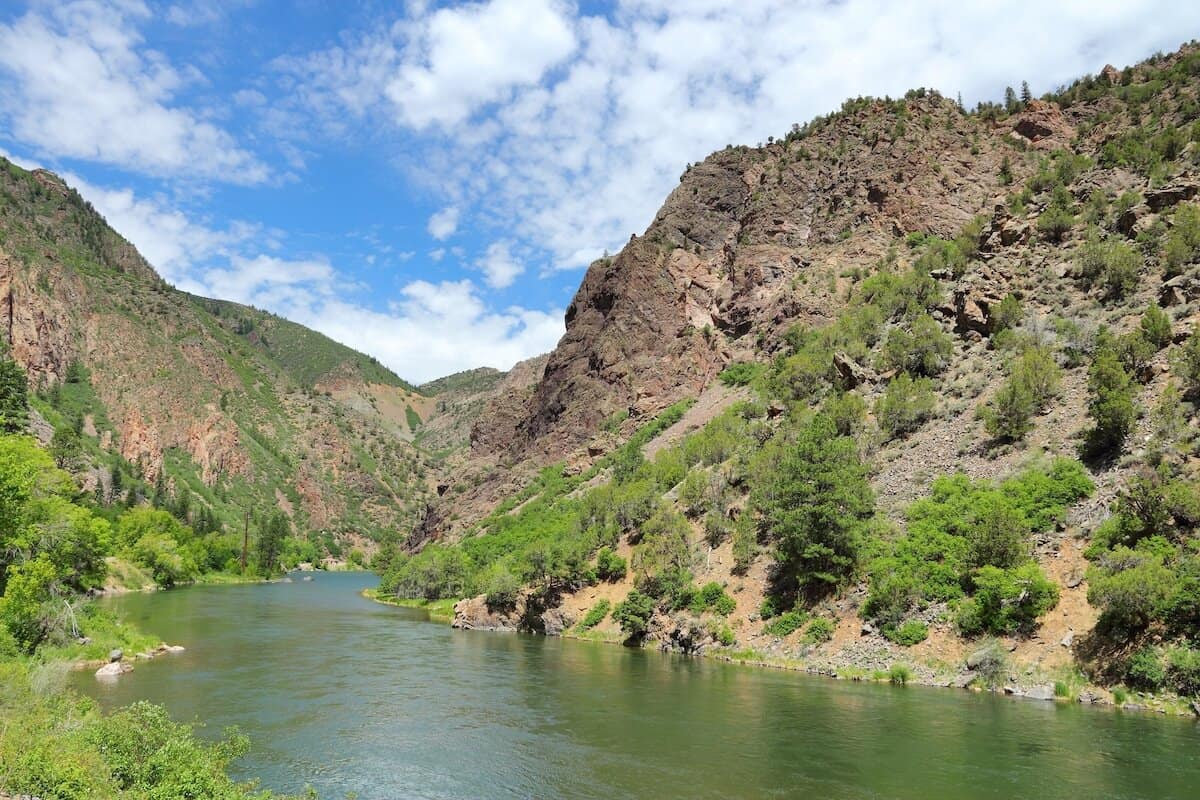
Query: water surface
point(354, 697)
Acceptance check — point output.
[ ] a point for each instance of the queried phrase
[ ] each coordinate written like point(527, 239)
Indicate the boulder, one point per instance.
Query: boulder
point(115, 655)
point(1043, 692)
point(1044, 125)
point(1068, 640)
point(851, 374)
point(112, 669)
point(1167, 196)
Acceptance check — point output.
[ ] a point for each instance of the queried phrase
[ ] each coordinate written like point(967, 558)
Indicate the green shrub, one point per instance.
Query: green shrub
point(1130, 588)
point(786, 623)
point(741, 373)
point(1007, 314)
point(609, 566)
point(595, 615)
point(923, 349)
point(1145, 670)
point(1110, 404)
point(1055, 222)
point(1186, 363)
point(820, 630)
point(712, 597)
point(910, 632)
point(900, 674)
point(1183, 670)
point(725, 636)
point(1007, 600)
point(633, 614)
point(905, 406)
point(1155, 326)
point(1183, 242)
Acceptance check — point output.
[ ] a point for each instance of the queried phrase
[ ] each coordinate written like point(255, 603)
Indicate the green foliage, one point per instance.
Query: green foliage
point(1183, 241)
point(847, 410)
point(633, 614)
point(1109, 263)
point(14, 402)
point(609, 565)
point(923, 349)
point(595, 615)
point(1110, 404)
point(899, 674)
point(1155, 326)
point(741, 373)
point(1033, 380)
point(1007, 314)
point(712, 597)
point(786, 623)
point(963, 528)
point(412, 418)
point(905, 406)
point(815, 504)
point(908, 633)
point(1006, 600)
point(819, 630)
point(1186, 364)
point(1055, 222)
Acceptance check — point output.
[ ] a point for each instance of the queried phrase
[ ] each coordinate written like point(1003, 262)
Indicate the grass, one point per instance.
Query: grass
point(438, 610)
point(107, 633)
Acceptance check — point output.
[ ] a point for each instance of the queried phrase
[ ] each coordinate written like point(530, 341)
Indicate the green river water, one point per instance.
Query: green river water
point(359, 699)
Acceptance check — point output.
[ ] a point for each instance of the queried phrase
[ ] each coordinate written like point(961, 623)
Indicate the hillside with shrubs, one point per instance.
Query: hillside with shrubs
point(911, 387)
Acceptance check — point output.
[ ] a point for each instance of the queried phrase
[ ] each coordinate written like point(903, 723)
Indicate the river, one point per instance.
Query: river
point(356, 698)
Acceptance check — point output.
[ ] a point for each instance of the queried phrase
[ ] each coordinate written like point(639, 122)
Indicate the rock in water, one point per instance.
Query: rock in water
point(112, 669)
point(116, 655)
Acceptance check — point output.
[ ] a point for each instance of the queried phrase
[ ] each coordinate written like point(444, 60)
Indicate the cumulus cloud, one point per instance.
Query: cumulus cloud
point(499, 267)
point(567, 130)
point(459, 58)
point(433, 329)
point(444, 223)
point(76, 81)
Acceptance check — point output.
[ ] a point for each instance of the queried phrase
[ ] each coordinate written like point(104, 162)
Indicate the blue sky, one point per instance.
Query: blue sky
point(427, 181)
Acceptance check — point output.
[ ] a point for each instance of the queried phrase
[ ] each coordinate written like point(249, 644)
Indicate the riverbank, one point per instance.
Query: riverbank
point(987, 669)
point(438, 610)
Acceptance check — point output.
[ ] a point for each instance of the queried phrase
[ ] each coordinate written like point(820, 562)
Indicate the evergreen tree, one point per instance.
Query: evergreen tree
point(1026, 95)
point(1010, 100)
point(14, 396)
point(271, 534)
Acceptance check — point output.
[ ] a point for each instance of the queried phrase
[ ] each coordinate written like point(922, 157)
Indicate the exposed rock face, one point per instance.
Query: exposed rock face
point(751, 243)
point(1044, 125)
point(195, 380)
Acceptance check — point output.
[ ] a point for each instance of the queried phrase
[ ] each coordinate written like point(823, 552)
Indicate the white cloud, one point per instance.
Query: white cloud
point(458, 59)
point(444, 223)
point(76, 81)
point(174, 243)
point(433, 330)
point(570, 146)
point(499, 267)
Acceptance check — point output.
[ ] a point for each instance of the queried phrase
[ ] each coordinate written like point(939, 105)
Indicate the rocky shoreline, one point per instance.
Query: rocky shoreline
point(851, 663)
point(118, 663)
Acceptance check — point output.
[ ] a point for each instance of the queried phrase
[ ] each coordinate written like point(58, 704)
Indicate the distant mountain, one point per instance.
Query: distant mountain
point(243, 409)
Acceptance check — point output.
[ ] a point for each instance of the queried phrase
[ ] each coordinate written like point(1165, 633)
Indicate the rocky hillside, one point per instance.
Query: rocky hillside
point(754, 400)
point(232, 407)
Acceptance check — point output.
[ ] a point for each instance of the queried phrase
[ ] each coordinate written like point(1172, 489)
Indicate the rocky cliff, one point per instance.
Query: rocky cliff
point(238, 408)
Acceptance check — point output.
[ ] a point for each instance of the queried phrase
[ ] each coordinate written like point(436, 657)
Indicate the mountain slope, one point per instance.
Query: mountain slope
point(246, 410)
point(761, 405)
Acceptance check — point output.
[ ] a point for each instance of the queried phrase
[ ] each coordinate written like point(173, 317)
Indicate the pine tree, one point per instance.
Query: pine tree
point(14, 396)
point(1010, 100)
point(1026, 95)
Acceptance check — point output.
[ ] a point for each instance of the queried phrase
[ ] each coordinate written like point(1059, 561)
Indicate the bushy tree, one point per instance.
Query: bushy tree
point(14, 400)
point(924, 349)
point(1111, 405)
point(1183, 241)
point(905, 406)
point(816, 506)
point(633, 614)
